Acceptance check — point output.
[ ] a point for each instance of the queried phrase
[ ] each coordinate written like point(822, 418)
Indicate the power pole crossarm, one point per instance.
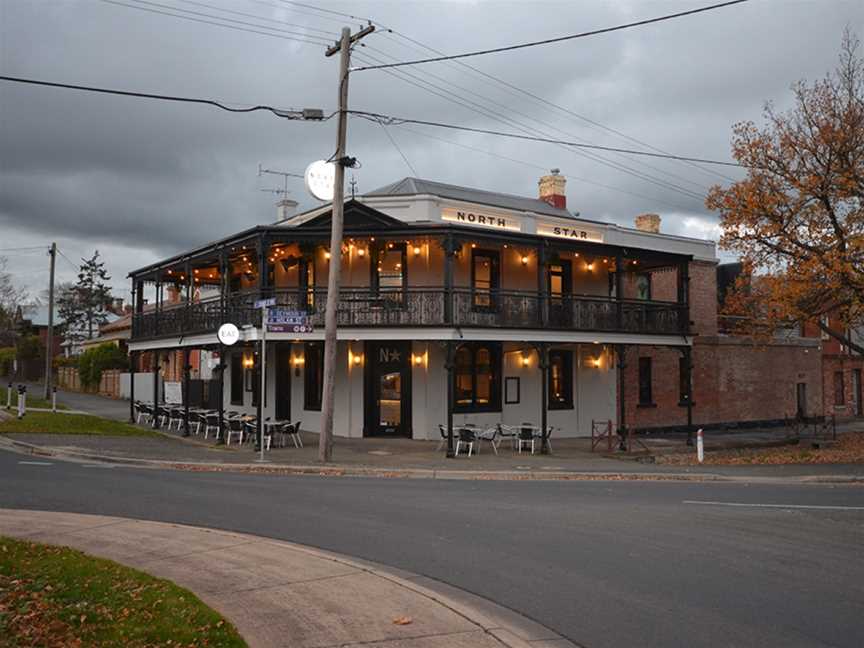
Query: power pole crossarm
point(325, 439)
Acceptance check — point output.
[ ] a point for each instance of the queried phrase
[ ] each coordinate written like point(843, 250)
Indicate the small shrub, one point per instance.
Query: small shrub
point(94, 361)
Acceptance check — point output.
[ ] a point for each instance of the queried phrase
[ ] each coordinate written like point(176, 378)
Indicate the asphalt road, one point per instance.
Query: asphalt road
point(603, 563)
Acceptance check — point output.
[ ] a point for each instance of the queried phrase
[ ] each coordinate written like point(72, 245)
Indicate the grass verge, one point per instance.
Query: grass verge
point(56, 596)
point(848, 449)
point(50, 423)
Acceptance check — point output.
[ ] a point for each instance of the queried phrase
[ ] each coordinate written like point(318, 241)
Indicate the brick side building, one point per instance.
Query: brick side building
point(735, 381)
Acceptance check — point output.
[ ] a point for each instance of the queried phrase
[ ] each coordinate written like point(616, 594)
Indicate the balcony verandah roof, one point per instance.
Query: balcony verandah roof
point(362, 220)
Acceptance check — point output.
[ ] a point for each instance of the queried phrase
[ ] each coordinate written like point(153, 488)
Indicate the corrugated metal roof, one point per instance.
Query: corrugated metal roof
point(414, 186)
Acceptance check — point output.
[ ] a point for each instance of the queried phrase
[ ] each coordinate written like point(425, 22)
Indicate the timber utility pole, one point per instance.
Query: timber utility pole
point(49, 341)
point(325, 439)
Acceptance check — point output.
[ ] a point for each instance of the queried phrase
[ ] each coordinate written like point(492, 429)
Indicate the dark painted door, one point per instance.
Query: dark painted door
point(857, 392)
point(388, 389)
point(283, 382)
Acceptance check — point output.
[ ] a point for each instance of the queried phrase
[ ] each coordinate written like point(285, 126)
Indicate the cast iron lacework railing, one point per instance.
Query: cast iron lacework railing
point(424, 307)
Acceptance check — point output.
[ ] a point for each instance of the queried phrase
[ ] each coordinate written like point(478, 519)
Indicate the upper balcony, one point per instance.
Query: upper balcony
point(433, 275)
point(425, 307)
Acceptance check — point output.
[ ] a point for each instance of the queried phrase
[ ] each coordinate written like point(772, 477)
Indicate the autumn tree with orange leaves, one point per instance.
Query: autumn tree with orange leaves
point(797, 219)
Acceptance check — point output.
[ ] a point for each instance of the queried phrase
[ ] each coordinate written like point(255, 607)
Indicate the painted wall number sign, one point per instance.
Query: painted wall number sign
point(569, 232)
point(477, 219)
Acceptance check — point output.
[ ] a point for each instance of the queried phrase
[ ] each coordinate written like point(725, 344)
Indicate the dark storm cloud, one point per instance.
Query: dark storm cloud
point(142, 179)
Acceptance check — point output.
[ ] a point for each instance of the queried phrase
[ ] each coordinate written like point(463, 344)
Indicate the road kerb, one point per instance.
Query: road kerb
point(118, 537)
point(349, 470)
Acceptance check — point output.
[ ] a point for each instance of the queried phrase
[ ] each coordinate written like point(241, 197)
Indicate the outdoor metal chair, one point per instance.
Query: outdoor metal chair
point(211, 423)
point(443, 432)
point(236, 427)
point(490, 434)
point(466, 437)
point(294, 433)
point(197, 419)
point(144, 411)
point(508, 432)
point(526, 437)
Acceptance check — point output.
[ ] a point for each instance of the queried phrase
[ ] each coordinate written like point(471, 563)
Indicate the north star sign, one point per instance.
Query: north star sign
point(477, 219)
point(569, 232)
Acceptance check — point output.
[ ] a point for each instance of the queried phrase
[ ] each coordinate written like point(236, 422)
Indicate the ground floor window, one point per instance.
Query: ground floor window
point(313, 383)
point(478, 377)
point(839, 389)
point(560, 379)
point(237, 378)
point(645, 395)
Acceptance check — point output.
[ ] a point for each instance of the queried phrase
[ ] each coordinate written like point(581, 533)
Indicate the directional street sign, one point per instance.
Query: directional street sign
point(264, 303)
point(283, 320)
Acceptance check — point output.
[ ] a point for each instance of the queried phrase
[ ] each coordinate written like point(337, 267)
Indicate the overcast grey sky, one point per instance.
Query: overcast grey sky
point(140, 180)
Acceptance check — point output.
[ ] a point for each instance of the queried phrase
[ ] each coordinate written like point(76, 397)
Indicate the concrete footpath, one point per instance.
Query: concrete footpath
point(281, 594)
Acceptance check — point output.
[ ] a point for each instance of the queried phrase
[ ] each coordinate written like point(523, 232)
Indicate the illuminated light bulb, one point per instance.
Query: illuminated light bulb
point(170, 272)
point(358, 359)
point(524, 259)
point(525, 360)
point(605, 260)
point(418, 359)
point(575, 254)
point(416, 250)
point(361, 252)
point(390, 246)
point(597, 362)
point(590, 266)
point(326, 255)
point(473, 245)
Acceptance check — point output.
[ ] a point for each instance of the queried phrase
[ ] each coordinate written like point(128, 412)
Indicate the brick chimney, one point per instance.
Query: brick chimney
point(285, 208)
point(648, 223)
point(552, 189)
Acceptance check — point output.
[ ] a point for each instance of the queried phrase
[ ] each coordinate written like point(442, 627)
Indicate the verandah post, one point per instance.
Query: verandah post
point(187, 369)
point(543, 364)
point(155, 389)
point(133, 356)
point(451, 389)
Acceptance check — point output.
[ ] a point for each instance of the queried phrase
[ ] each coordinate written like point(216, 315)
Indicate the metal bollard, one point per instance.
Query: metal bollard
point(22, 400)
point(54, 399)
point(9, 396)
point(700, 447)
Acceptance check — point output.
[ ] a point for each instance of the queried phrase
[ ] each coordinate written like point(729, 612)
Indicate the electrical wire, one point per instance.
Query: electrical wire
point(328, 33)
point(388, 120)
point(541, 100)
point(396, 146)
point(548, 125)
point(329, 11)
point(75, 266)
point(217, 24)
point(399, 74)
point(540, 167)
point(285, 114)
point(548, 41)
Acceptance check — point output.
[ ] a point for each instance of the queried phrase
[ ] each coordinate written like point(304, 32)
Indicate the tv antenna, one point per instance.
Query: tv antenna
point(285, 175)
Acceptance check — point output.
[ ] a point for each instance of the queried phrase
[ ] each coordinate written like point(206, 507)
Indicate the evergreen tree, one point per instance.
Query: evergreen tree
point(84, 305)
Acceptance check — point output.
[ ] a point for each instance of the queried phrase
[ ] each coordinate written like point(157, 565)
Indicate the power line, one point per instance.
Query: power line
point(228, 20)
point(486, 112)
point(329, 11)
point(542, 168)
point(386, 119)
point(285, 114)
point(217, 24)
point(523, 127)
point(396, 146)
point(328, 33)
point(548, 41)
point(516, 89)
point(68, 260)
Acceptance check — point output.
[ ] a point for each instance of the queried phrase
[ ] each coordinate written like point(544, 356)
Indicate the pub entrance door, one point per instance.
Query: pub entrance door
point(387, 389)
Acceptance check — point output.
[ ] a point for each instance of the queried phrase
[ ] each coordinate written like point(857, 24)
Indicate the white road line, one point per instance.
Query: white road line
point(780, 506)
point(97, 465)
point(35, 463)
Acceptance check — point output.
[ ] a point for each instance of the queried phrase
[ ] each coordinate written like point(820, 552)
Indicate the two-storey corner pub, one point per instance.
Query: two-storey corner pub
point(457, 305)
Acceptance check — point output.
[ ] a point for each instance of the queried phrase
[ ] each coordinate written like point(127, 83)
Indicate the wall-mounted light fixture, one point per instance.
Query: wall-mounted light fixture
point(354, 359)
point(248, 360)
point(298, 361)
point(526, 360)
point(525, 259)
point(327, 254)
point(590, 266)
point(416, 250)
point(597, 362)
point(361, 252)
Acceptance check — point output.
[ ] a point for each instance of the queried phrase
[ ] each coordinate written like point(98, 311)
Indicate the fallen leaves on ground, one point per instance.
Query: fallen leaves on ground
point(848, 449)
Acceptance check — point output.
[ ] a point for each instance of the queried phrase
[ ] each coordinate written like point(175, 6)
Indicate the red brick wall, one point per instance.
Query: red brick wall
point(847, 364)
point(733, 381)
